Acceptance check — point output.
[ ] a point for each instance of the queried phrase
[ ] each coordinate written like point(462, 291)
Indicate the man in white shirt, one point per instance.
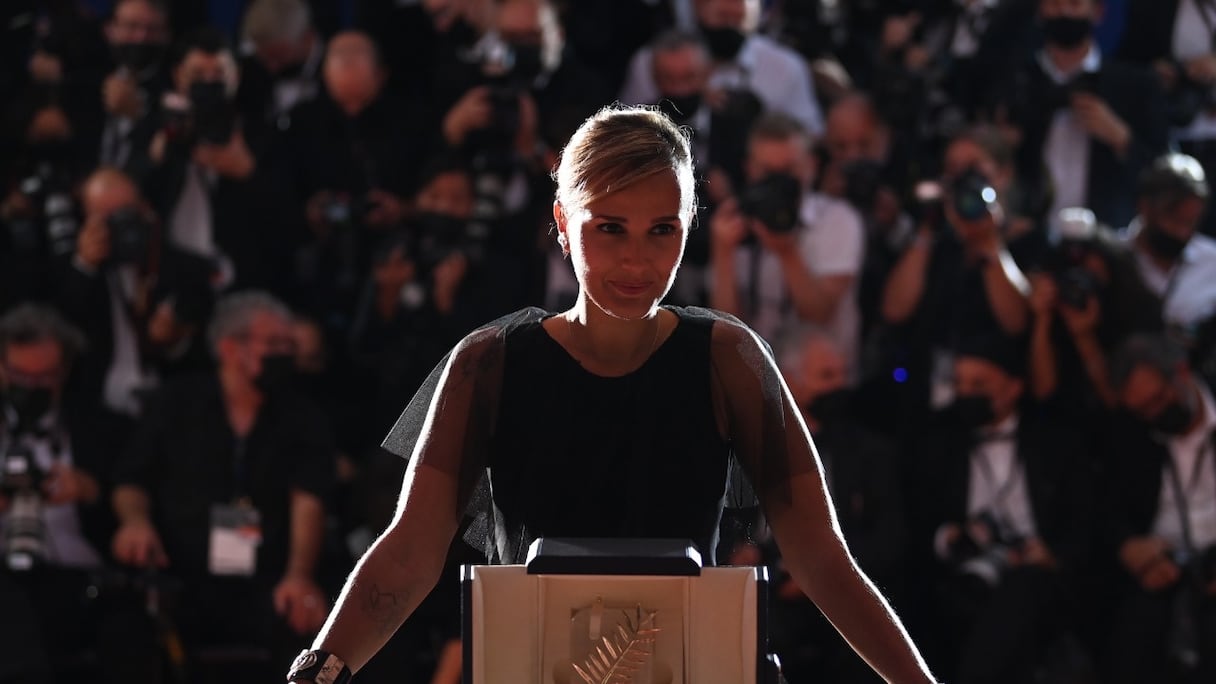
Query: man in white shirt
point(774, 279)
point(1162, 515)
point(1175, 262)
point(743, 60)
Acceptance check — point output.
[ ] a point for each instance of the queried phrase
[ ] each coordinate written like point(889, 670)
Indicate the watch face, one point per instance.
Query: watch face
point(304, 661)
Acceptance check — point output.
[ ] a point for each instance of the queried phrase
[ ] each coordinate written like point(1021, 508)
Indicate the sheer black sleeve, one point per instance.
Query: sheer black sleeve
point(450, 421)
point(757, 413)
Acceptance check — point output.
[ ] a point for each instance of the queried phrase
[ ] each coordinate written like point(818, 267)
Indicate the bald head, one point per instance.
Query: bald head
point(854, 130)
point(108, 189)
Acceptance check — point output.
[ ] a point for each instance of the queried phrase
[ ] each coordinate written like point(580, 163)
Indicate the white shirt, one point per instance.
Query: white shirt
point(1066, 147)
point(126, 373)
point(1198, 481)
point(997, 482)
point(775, 73)
point(1189, 288)
point(832, 243)
point(65, 543)
point(1192, 38)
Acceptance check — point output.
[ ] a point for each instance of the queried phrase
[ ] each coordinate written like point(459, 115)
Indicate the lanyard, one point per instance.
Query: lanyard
point(1181, 495)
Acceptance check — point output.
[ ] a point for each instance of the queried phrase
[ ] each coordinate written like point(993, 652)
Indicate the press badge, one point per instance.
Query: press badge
point(236, 532)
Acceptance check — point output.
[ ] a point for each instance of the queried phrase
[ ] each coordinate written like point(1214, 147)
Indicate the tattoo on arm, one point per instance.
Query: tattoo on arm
point(384, 607)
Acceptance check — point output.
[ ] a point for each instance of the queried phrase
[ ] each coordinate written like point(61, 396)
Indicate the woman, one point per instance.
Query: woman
point(616, 418)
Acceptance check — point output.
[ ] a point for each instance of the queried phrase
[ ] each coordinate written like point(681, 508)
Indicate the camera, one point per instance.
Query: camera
point(52, 226)
point(971, 195)
point(342, 210)
point(25, 546)
point(863, 179)
point(1073, 242)
point(982, 556)
point(130, 235)
point(205, 115)
point(774, 200)
point(929, 210)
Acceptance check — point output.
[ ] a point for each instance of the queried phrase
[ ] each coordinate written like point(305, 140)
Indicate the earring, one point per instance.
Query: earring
point(563, 243)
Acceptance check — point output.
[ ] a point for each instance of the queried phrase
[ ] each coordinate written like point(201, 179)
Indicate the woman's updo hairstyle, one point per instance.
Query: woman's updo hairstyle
point(619, 146)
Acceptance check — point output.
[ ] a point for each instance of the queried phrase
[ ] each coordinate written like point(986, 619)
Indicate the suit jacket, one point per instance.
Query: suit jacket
point(1153, 35)
point(85, 299)
point(1058, 478)
point(1133, 93)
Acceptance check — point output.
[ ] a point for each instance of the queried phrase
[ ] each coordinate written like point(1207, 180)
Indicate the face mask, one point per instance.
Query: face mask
point(724, 43)
point(830, 407)
point(680, 108)
point(1163, 244)
point(528, 63)
point(1067, 32)
point(972, 411)
point(53, 151)
point(206, 96)
point(29, 403)
point(138, 57)
point(278, 370)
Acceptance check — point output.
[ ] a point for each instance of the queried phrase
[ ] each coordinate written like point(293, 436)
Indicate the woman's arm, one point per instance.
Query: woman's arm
point(774, 447)
point(397, 572)
point(819, 561)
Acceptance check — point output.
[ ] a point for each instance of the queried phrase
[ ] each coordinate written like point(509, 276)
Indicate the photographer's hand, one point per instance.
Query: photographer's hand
point(782, 245)
point(1035, 552)
point(1097, 118)
point(1081, 323)
point(70, 485)
point(120, 95)
point(1147, 559)
point(470, 113)
point(1044, 295)
point(448, 275)
point(93, 244)
point(137, 544)
point(46, 68)
point(301, 603)
point(231, 160)
point(1202, 69)
point(386, 209)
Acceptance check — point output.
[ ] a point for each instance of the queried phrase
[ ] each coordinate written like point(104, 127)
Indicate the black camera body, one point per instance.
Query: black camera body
point(775, 201)
point(130, 236)
point(343, 211)
point(972, 195)
point(982, 559)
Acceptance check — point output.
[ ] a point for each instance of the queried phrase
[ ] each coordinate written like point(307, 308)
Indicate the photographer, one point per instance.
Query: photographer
point(203, 174)
point(282, 68)
point(956, 280)
point(138, 35)
point(1002, 496)
point(39, 211)
point(1174, 38)
point(1161, 517)
point(224, 486)
point(782, 254)
point(350, 157)
point(141, 302)
point(56, 452)
point(429, 284)
point(1086, 296)
point(1176, 264)
point(744, 60)
point(1092, 121)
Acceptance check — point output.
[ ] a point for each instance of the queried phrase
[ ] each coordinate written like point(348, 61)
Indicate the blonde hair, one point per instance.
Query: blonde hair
point(618, 147)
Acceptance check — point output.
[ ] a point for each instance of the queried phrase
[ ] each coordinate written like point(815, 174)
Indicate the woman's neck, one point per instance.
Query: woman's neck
point(611, 345)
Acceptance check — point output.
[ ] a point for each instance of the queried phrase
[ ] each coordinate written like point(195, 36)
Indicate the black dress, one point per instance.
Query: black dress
point(542, 447)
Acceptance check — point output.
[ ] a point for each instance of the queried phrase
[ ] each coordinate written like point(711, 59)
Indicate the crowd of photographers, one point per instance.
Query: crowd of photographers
point(975, 233)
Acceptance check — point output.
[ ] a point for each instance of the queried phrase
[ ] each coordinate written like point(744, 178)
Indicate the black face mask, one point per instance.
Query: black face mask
point(53, 151)
point(972, 411)
point(29, 403)
point(528, 63)
point(724, 43)
point(208, 96)
point(1163, 244)
point(138, 57)
point(680, 108)
point(1067, 32)
point(830, 407)
point(278, 371)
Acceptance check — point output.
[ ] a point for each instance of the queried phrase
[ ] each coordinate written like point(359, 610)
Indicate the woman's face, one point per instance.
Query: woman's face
point(627, 245)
